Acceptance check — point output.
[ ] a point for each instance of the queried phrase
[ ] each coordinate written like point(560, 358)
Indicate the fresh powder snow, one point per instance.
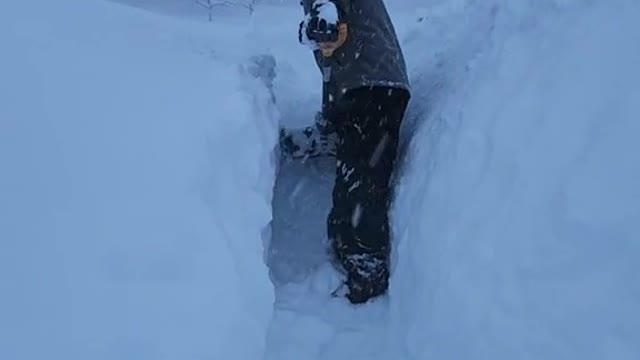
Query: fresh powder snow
point(327, 11)
point(145, 212)
point(131, 218)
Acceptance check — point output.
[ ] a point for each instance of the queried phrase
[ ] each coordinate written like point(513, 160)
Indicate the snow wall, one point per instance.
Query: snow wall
point(131, 217)
point(517, 209)
point(125, 136)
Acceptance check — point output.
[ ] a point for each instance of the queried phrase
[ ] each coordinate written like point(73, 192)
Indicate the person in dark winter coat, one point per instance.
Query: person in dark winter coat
point(365, 95)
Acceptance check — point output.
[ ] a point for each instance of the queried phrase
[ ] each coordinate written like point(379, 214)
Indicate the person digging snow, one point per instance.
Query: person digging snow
point(365, 95)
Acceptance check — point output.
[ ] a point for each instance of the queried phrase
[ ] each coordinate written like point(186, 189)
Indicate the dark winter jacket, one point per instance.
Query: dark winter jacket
point(371, 55)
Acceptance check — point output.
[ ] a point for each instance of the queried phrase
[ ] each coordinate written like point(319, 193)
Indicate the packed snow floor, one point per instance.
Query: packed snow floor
point(144, 214)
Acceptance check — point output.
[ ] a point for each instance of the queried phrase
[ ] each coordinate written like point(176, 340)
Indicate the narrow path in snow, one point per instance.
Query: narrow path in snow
point(308, 323)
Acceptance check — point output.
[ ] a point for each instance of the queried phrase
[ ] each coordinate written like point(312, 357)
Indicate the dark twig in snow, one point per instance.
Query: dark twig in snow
point(210, 5)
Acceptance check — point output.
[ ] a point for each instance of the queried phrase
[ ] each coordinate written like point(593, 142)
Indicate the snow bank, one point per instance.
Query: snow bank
point(135, 187)
point(517, 213)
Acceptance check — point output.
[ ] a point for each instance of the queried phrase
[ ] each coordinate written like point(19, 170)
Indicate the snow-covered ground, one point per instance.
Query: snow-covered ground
point(517, 212)
point(131, 214)
point(137, 176)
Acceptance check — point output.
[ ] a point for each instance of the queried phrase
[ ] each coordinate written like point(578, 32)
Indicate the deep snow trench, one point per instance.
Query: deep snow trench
point(515, 233)
point(138, 182)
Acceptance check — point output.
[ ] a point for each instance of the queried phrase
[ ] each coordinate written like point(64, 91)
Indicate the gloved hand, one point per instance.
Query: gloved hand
point(323, 28)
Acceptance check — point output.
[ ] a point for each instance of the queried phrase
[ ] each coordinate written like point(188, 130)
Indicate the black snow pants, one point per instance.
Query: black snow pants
point(368, 123)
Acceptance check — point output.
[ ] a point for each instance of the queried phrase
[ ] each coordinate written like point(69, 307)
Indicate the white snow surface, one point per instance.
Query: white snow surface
point(327, 11)
point(131, 218)
point(516, 217)
point(143, 214)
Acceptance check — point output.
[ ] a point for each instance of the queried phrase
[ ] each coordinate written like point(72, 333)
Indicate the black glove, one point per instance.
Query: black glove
point(317, 29)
